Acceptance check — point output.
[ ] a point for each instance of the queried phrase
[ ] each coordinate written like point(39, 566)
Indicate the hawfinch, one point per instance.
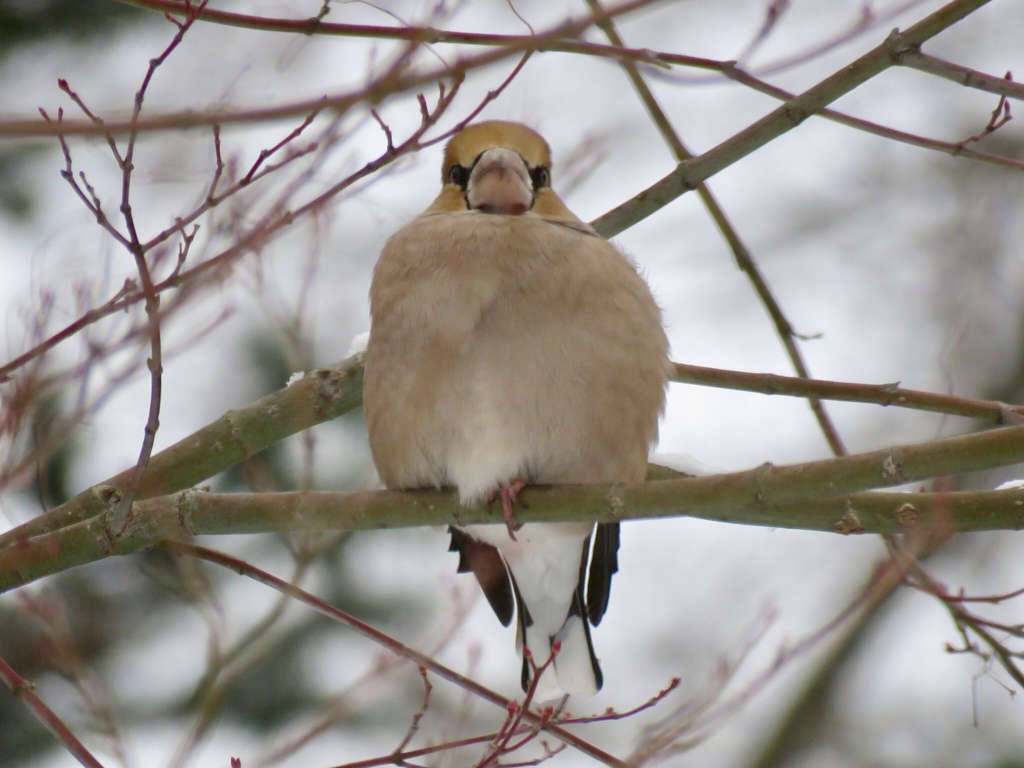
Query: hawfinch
point(511, 344)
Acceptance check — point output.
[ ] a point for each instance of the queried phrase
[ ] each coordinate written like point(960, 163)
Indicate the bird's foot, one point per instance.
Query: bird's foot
point(508, 492)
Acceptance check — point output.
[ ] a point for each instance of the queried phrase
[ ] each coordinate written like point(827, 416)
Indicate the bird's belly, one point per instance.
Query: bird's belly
point(490, 442)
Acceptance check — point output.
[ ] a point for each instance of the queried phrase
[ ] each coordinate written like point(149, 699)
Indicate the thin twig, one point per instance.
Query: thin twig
point(958, 73)
point(131, 294)
point(689, 174)
point(139, 253)
point(386, 641)
point(878, 394)
point(373, 92)
point(413, 34)
point(1000, 117)
point(24, 690)
point(916, 576)
point(744, 259)
point(955, 149)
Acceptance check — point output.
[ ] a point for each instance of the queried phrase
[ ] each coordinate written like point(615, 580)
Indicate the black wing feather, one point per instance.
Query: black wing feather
point(486, 564)
point(604, 563)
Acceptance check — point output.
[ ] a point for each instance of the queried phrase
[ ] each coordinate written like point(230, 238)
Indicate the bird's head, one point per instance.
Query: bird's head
point(498, 167)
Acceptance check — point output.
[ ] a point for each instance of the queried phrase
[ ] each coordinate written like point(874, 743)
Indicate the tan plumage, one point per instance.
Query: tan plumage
point(511, 343)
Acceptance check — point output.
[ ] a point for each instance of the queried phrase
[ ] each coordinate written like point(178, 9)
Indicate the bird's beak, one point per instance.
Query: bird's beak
point(500, 183)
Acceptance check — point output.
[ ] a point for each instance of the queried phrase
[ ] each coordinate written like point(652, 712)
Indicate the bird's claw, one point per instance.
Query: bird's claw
point(508, 492)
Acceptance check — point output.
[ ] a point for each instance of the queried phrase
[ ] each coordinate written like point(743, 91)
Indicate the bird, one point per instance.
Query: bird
point(510, 344)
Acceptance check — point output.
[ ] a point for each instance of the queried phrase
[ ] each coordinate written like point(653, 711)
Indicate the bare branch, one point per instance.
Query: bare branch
point(823, 495)
point(878, 394)
point(744, 259)
point(971, 78)
point(955, 149)
point(1000, 117)
point(327, 393)
point(689, 174)
point(25, 691)
point(387, 85)
point(386, 641)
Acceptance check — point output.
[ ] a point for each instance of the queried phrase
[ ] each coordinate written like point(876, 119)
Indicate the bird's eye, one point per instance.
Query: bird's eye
point(541, 176)
point(459, 174)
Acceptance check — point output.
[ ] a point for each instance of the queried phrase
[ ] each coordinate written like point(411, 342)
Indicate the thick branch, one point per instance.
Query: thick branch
point(812, 496)
point(319, 396)
point(329, 392)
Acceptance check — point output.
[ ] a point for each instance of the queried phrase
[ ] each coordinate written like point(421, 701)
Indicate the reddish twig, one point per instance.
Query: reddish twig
point(966, 622)
point(1000, 117)
point(965, 76)
point(24, 690)
point(955, 149)
point(877, 394)
point(610, 714)
point(386, 641)
point(772, 16)
point(130, 238)
point(408, 33)
point(864, 22)
point(375, 91)
point(139, 253)
point(403, 758)
point(417, 717)
point(131, 294)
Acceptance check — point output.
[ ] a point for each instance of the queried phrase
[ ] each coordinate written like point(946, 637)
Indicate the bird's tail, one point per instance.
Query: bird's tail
point(566, 661)
point(532, 577)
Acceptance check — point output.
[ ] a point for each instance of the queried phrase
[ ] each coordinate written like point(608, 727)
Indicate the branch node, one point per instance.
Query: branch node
point(850, 522)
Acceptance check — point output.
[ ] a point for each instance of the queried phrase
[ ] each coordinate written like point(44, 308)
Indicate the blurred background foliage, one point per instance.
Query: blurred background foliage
point(67, 22)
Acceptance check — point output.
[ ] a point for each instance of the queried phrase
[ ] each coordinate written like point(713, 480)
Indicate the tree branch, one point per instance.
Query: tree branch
point(538, 719)
point(689, 174)
point(878, 394)
point(329, 392)
point(744, 259)
point(957, 73)
point(319, 396)
point(377, 90)
point(23, 689)
point(818, 496)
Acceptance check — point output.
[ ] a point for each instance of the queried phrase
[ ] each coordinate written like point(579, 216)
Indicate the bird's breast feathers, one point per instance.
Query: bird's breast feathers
point(442, 272)
point(518, 340)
